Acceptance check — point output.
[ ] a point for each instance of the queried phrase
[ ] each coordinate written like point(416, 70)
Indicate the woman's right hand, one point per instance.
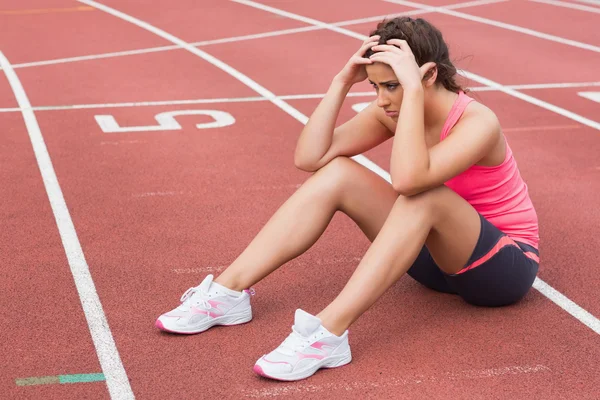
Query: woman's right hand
point(354, 70)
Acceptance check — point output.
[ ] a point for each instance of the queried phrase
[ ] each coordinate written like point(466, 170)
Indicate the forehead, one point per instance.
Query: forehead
point(379, 72)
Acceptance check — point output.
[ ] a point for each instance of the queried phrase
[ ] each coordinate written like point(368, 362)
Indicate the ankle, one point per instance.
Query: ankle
point(229, 283)
point(333, 325)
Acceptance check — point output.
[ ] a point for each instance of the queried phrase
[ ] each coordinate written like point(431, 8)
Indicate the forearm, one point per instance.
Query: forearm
point(316, 137)
point(410, 155)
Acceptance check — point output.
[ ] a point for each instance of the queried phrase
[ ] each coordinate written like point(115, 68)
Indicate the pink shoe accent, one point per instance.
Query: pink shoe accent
point(209, 313)
point(276, 362)
point(302, 356)
point(318, 345)
point(160, 325)
point(215, 303)
point(260, 372)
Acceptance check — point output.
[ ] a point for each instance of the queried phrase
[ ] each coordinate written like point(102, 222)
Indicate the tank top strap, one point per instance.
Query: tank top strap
point(455, 113)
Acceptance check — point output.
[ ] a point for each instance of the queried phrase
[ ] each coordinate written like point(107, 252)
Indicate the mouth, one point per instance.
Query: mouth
point(391, 114)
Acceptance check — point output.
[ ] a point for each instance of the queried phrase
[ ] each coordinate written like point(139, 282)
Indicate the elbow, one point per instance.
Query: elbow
point(406, 186)
point(304, 165)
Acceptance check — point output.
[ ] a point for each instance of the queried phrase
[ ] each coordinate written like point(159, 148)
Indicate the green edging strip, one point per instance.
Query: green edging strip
point(60, 379)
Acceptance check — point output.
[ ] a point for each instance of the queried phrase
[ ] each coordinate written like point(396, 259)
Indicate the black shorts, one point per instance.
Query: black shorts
point(499, 272)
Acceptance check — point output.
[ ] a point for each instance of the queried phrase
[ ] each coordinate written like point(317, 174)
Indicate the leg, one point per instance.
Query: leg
point(439, 218)
point(342, 185)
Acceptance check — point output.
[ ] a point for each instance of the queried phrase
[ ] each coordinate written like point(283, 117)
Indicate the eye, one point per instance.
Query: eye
point(374, 86)
point(391, 86)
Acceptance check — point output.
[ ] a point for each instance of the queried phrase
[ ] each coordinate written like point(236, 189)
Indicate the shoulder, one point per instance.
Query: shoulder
point(478, 123)
point(482, 116)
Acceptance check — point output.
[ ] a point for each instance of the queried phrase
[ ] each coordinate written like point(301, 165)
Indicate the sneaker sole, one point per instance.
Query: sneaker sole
point(226, 320)
point(329, 362)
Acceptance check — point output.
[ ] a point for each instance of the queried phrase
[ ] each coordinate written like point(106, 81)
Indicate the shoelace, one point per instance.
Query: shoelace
point(295, 342)
point(202, 298)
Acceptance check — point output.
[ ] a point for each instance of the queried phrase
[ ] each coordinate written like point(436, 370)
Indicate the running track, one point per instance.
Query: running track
point(102, 232)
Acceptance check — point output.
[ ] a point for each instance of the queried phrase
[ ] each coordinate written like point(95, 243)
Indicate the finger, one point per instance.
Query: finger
point(387, 47)
point(381, 57)
point(362, 60)
point(403, 44)
point(364, 48)
point(372, 38)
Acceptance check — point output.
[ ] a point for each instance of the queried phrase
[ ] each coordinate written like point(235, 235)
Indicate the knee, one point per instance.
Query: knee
point(335, 174)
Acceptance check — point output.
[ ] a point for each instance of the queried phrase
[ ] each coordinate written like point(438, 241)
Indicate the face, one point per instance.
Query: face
point(389, 91)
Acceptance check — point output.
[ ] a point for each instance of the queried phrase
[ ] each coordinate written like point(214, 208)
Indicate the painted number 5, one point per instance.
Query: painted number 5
point(166, 121)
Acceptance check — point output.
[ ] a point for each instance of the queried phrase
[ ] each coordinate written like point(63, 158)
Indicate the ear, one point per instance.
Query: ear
point(429, 73)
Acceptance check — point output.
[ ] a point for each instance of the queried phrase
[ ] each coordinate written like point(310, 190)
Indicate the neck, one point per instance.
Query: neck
point(438, 103)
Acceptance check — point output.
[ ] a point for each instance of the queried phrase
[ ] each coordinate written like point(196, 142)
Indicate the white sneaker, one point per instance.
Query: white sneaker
point(207, 305)
point(309, 347)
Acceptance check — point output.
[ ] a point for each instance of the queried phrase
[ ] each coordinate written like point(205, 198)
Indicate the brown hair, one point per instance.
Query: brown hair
point(426, 43)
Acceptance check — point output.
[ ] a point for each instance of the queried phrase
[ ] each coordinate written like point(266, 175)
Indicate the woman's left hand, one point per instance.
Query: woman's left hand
point(398, 55)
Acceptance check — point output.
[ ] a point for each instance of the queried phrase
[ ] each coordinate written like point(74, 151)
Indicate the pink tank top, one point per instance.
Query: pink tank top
point(498, 193)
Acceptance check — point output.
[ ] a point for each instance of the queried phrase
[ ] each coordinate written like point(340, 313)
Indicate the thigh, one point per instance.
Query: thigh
point(500, 271)
point(455, 227)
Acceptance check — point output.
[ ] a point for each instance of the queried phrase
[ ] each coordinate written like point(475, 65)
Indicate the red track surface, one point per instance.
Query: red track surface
point(156, 211)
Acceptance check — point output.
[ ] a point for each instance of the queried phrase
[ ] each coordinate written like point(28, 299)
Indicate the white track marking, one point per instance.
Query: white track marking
point(594, 96)
point(594, 2)
point(166, 121)
point(569, 5)
point(282, 32)
point(301, 18)
point(336, 27)
point(285, 97)
point(228, 69)
point(94, 57)
point(532, 100)
point(498, 24)
point(469, 75)
point(579, 313)
point(539, 86)
point(440, 378)
point(108, 355)
point(568, 305)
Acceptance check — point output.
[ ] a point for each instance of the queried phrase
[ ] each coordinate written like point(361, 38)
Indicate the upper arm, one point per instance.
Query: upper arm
point(359, 134)
point(471, 140)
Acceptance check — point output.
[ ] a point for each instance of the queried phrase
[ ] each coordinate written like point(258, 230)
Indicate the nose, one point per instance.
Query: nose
point(382, 99)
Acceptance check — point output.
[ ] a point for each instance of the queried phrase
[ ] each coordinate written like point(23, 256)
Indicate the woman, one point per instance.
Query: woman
point(457, 216)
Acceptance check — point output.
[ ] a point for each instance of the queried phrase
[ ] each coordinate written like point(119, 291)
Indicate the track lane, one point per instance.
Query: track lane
point(44, 329)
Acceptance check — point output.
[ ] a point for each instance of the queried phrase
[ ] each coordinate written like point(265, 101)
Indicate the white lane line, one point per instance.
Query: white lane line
point(532, 100)
point(469, 75)
point(285, 97)
point(498, 24)
point(594, 2)
point(244, 37)
point(108, 355)
point(594, 96)
point(226, 68)
point(336, 28)
point(568, 305)
point(569, 5)
point(295, 113)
